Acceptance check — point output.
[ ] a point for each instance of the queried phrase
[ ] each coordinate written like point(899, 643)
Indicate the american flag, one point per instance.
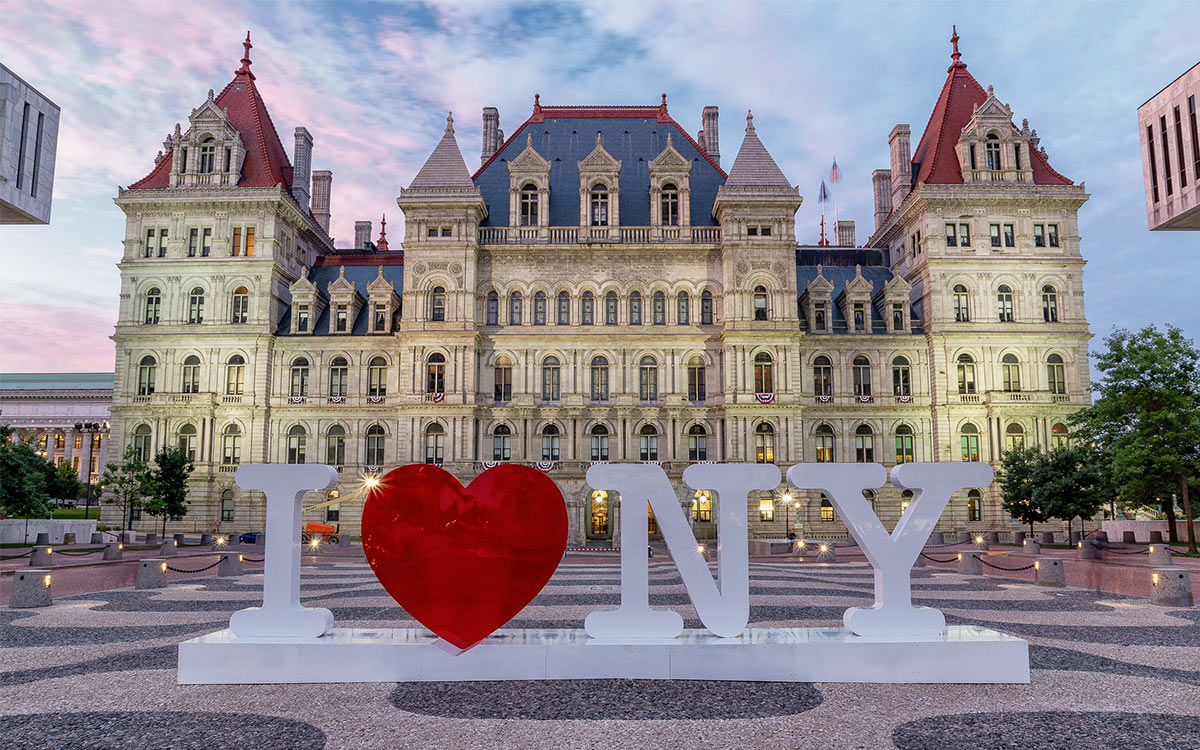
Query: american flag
point(824, 194)
point(834, 174)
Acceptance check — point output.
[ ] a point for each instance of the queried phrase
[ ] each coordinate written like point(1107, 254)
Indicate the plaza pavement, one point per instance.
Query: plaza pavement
point(97, 670)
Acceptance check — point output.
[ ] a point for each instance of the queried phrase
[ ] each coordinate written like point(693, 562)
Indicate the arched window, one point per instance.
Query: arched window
point(1004, 303)
point(635, 308)
point(235, 376)
point(493, 308)
point(551, 382)
point(610, 308)
point(231, 445)
point(339, 377)
point(587, 309)
point(1056, 374)
point(901, 378)
point(648, 379)
point(966, 373)
point(564, 309)
point(335, 445)
point(974, 505)
point(862, 377)
point(333, 513)
point(766, 506)
point(764, 373)
point(147, 369)
point(299, 384)
point(706, 308)
point(904, 444)
point(297, 445)
point(208, 155)
point(550, 443)
point(864, 445)
point(682, 309)
point(435, 373)
point(191, 374)
point(1058, 436)
point(529, 205)
point(187, 441)
point(227, 505)
point(502, 380)
point(153, 306)
point(377, 377)
point(970, 442)
point(435, 443)
point(658, 309)
point(648, 442)
point(599, 443)
point(539, 308)
point(501, 443)
point(196, 306)
point(823, 377)
point(1011, 372)
point(993, 152)
point(375, 439)
point(760, 302)
point(869, 496)
point(827, 510)
point(697, 443)
point(824, 437)
point(599, 205)
point(702, 506)
point(1049, 304)
point(142, 442)
point(437, 306)
point(1014, 436)
point(697, 381)
point(241, 305)
point(599, 373)
point(669, 205)
point(514, 309)
point(764, 443)
point(962, 304)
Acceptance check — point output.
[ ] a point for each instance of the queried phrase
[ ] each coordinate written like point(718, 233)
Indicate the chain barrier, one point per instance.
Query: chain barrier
point(937, 560)
point(197, 570)
point(16, 557)
point(251, 559)
point(947, 544)
point(1119, 552)
point(78, 553)
point(997, 567)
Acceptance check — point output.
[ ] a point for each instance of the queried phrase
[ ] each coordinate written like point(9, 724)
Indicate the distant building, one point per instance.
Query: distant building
point(28, 140)
point(66, 413)
point(1171, 154)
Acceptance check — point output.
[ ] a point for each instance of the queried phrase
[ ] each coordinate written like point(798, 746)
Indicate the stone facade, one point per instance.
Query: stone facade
point(66, 414)
point(1169, 130)
point(28, 144)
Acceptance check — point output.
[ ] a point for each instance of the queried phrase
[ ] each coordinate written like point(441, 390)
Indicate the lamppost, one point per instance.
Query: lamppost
point(789, 504)
point(91, 429)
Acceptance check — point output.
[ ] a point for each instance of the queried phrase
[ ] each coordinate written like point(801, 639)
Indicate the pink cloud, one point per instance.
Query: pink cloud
point(50, 338)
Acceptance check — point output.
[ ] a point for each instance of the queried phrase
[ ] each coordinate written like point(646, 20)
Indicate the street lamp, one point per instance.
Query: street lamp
point(789, 504)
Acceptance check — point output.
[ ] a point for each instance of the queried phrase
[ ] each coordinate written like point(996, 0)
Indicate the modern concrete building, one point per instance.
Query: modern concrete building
point(1171, 154)
point(28, 142)
point(66, 413)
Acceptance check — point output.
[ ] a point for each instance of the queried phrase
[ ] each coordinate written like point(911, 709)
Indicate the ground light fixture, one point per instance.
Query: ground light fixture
point(1153, 579)
point(163, 566)
point(46, 580)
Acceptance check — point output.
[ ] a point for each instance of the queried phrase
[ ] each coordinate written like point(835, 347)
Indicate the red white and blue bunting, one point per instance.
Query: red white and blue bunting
point(337, 399)
point(765, 398)
point(438, 396)
point(824, 399)
point(904, 399)
point(864, 399)
point(546, 466)
point(297, 399)
point(488, 464)
point(375, 399)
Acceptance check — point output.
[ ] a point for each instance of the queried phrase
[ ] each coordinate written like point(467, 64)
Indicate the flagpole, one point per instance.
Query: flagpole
point(836, 179)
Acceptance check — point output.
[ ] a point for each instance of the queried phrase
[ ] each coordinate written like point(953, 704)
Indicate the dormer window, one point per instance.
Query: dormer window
point(897, 316)
point(342, 318)
point(208, 154)
point(859, 316)
point(302, 319)
point(529, 205)
point(993, 152)
point(669, 205)
point(599, 206)
point(819, 316)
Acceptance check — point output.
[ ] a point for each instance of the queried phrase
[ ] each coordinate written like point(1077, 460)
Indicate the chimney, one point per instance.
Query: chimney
point(844, 233)
point(901, 164)
point(883, 195)
point(362, 234)
point(301, 167)
point(711, 142)
point(491, 133)
point(322, 181)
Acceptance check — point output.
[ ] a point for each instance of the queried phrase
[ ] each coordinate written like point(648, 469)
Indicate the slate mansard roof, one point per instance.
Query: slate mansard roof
point(633, 135)
point(838, 265)
point(361, 269)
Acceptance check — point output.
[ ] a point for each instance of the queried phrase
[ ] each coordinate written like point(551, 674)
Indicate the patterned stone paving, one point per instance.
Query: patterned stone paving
point(97, 670)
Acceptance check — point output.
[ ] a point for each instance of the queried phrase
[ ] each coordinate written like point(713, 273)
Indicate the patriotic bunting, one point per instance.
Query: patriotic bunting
point(765, 398)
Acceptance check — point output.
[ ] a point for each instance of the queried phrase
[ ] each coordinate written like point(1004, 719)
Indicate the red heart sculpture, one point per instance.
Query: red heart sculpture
point(463, 561)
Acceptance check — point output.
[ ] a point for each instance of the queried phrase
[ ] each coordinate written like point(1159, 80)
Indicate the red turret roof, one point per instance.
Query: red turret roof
point(266, 163)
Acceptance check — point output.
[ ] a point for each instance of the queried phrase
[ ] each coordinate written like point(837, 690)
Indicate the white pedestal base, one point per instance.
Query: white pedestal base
point(962, 655)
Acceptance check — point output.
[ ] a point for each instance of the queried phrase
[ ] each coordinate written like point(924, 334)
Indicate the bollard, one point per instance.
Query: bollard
point(230, 565)
point(826, 553)
point(1031, 548)
point(981, 545)
point(992, 537)
point(964, 536)
point(1128, 537)
point(1048, 571)
point(1088, 550)
point(1160, 555)
point(128, 537)
point(43, 537)
point(969, 564)
point(343, 540)
point(1075, 539)
point(31, 588)
point(112, 551)
point(68, 538)
point(231, 539)
point(151, 573)
point(937, 537)
point(800, 548)
point(206, 538)
point(179, 539)
point(1170, 587)
point(1100, 536)
point(97, 538)
point(152, 538)
point(167, 549)
point(1018, 538)
point(41, 557)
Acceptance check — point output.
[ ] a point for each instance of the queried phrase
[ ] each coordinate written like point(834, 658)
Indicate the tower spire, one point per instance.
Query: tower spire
point(245, 69)
point(956, 56)
point(382, 244)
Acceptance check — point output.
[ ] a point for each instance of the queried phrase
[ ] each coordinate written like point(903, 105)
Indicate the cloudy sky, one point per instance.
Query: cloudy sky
point(373, 81)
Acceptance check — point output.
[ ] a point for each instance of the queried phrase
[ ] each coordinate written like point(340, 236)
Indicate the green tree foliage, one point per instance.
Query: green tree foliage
point(24, 474)
point(127, 484)
point(169, 484)
point(63, 482)
point(1017, 484)
point(1070, 482)
point(1147, 420)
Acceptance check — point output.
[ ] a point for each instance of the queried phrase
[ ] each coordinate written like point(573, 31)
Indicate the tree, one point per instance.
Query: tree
point(169, 484)
point(23, 486)
point(127, 485)
point(1016, 481)
point(62, 482)
point(1148, 418)
point(1070, 482)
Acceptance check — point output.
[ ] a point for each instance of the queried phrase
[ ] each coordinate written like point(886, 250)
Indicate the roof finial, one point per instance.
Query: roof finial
point(245, 69)
point(599, 143)
point(955, 55)
point(749, 121)
point(449, 123)
point(382, 244)
point(664, 100)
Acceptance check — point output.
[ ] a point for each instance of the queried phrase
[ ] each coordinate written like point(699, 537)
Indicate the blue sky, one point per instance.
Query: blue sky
point(373, 81)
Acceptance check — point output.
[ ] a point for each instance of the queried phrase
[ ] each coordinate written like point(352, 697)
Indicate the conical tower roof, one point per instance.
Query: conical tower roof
point(445, 167)
point(753, 167)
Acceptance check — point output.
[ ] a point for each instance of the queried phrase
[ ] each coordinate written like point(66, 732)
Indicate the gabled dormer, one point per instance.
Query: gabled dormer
point(817, 302)
point(990, 149)
point(670, 190)
point(599, 190)
point(894, 301)
point(384, 304)
point(345, 303)
point(210, 152)
point(855, 301)
point(529, 188)
point(308, 302)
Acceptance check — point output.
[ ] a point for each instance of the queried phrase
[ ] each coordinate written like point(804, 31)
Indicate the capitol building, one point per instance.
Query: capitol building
point(603, 286)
